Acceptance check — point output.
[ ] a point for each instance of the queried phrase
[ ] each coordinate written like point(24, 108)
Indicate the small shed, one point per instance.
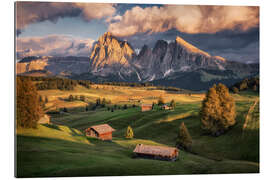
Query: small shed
point(156, 152)
point(44, 119)
point(146, 107)
point(102, 131)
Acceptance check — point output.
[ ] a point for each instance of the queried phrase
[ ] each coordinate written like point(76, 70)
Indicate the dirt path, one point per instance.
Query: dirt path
point(249, 115)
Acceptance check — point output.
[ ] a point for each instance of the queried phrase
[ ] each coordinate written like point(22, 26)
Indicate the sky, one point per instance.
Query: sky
point(70, 29)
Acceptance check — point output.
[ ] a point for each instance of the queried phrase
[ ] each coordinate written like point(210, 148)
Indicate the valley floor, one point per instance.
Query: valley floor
point(61, 149)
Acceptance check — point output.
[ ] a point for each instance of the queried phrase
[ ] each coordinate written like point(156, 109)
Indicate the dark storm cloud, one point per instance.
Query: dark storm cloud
point(232, 45)
point(33, 12)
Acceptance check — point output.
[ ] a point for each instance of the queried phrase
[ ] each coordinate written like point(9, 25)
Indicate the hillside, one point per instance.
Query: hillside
point(62, 150)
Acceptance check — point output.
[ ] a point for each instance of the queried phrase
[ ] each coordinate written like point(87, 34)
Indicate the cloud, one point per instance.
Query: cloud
point(188, 19)
point(33, 12)
point(53, 45)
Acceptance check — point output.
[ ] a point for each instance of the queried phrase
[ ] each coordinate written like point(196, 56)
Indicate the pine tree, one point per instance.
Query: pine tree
point(28, 106)
point(129, 133)
point(184, 140)
point(218, 110)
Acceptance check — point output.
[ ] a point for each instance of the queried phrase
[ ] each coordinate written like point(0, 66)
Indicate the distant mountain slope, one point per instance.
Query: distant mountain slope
point(63, 66)
point(177, 63)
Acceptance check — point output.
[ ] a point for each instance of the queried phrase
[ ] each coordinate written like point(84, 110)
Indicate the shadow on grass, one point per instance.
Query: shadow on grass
point(52, 126)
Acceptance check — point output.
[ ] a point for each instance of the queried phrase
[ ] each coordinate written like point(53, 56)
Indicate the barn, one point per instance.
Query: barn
point(146, 107)
point(102, 131)
point(156, 152)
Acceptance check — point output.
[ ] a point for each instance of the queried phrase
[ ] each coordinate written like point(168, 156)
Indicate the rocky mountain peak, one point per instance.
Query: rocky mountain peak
point(110, 54)
point(190, 47)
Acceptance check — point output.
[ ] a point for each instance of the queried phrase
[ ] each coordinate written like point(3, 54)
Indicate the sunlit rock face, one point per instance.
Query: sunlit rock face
point(111, 55)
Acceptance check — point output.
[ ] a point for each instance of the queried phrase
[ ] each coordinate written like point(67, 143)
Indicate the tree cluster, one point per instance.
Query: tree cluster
point(247, 84)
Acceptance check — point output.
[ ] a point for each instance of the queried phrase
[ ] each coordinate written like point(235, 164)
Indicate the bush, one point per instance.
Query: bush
point(218, 110)
point(184, 140)
point(129, 133)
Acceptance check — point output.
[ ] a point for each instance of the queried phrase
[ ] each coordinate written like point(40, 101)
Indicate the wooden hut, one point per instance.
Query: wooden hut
point(156, 152)
point(102, 131)
point(146, 107)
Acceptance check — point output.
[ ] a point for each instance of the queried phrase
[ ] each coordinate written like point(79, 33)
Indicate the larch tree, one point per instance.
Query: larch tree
point(218, 110)
point(28, 106)
point(129, 132)
point(184, 140)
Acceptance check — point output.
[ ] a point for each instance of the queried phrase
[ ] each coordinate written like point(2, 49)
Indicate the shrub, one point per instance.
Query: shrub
point(184, 140)
point(218, 110)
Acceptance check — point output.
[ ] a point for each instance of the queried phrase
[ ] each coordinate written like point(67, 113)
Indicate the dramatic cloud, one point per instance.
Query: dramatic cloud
point(188, 19)
point(233, 45)
point(32, 12)
point(53, 45)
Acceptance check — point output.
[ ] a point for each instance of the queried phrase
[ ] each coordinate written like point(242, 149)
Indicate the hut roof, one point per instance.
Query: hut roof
point(102, 128)
point(154, 150)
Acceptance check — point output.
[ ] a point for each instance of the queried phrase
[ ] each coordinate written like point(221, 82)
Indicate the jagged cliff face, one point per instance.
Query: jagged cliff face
point(177, 56)
point(110, 56)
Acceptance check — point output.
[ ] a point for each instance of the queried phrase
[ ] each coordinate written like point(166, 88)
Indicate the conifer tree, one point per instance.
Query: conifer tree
point(184, 140)
point(129, 133)
point(218, 110)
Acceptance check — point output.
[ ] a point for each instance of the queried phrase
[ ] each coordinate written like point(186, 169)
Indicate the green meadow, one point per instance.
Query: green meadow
point(62, 149)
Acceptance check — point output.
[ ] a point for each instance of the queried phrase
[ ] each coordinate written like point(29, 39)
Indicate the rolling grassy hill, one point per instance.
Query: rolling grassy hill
point(61, 149)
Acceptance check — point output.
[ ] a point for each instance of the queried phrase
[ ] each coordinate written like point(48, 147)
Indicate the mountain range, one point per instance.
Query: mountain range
point(177, 63)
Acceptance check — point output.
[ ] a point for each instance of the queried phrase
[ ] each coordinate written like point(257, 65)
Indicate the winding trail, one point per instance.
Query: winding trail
point(249, 115)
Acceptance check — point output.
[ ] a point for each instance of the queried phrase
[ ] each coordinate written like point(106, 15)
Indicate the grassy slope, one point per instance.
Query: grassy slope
point(40, 155)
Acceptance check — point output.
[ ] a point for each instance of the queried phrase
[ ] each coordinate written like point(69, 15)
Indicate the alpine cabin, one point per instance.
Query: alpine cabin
point(103, 132)
point(156, 152)
point(146, 107)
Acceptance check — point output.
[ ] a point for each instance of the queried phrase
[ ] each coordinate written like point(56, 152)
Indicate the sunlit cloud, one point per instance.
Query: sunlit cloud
point(188, 19)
